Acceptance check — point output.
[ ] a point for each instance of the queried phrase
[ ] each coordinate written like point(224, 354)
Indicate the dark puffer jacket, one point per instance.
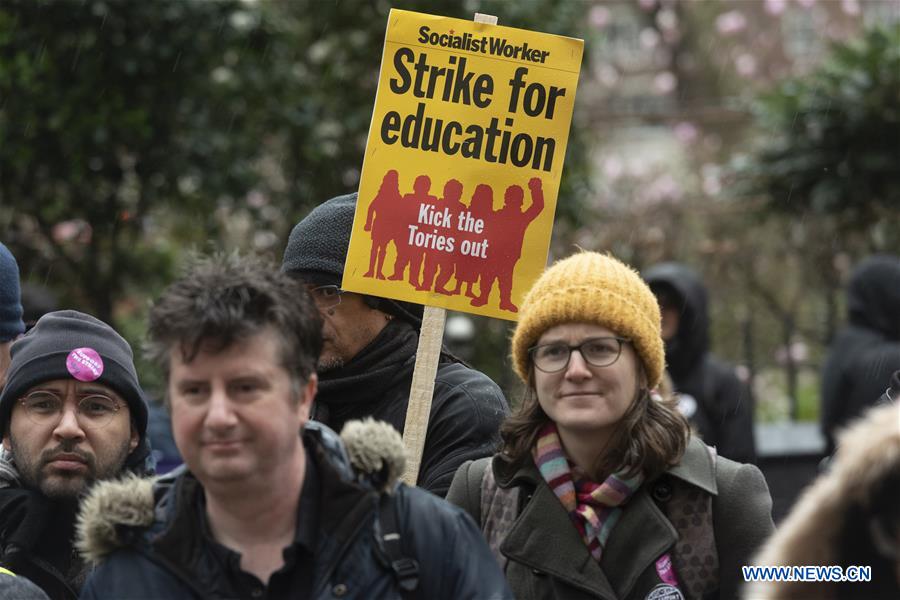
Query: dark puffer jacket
point(718, 405)
point(15, 587)
point(467, 407)
point(863, 354)
point(138, 531)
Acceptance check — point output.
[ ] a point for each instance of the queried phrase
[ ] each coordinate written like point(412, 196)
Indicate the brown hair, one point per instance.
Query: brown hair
point(225, 298)
point(650, 438)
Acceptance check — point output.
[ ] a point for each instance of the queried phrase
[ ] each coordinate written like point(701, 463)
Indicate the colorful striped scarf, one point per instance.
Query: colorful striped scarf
point(594, 508)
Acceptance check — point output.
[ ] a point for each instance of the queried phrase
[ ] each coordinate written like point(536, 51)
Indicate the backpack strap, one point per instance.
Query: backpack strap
point(474, 476)
point(405, 569)
point(499, 509)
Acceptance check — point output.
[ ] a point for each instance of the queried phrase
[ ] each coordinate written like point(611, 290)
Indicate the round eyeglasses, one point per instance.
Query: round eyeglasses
point(598, 352)
point(325, 296)
point(93, 410)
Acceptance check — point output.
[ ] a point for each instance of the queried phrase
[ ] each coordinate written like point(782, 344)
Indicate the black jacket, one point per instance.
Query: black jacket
point(863, 354)
point(37, 538)
point(145, 552)
point(718, 405)
point(466, 409)
point(37, 533)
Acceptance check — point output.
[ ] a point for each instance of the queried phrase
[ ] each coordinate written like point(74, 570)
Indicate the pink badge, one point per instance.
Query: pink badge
point(665, 570)
point(84, 364)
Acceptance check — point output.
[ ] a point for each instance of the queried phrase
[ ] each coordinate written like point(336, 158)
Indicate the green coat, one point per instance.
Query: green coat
point(548, 559)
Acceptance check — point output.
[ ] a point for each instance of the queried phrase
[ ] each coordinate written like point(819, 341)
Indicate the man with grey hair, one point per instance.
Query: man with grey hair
point(369, 354)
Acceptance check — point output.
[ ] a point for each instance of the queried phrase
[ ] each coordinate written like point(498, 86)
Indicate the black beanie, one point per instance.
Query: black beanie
point(317, 249)
point(68, 344)
point(11, 324)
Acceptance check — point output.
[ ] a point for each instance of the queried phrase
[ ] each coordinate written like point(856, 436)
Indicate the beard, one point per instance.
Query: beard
point(67, 485)
point(329, 363)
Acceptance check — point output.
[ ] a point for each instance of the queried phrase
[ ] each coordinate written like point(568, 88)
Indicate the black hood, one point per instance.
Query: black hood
point(873, 295)
point(691, 341)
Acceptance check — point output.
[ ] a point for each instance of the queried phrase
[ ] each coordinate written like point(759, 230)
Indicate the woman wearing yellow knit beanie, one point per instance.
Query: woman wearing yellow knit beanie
point(599, 491)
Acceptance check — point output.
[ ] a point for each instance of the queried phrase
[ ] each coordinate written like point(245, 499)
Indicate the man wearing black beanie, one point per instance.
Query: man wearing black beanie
point(72, 412)
point(368, 356)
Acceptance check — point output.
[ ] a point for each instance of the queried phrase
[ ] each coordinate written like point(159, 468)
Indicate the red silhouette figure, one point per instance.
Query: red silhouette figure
point(383, 228)
point(468, 267)
point(407, 253)
point(436, 259)
point(508, 227)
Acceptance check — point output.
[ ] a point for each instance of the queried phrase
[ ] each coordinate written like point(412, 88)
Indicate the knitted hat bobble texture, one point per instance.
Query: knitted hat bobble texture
point(590, 287)
point(317, 246)
point(11, 324)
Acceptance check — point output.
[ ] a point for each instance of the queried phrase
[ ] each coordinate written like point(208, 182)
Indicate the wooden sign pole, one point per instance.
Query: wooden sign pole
point(428, 354)
point(422, 390)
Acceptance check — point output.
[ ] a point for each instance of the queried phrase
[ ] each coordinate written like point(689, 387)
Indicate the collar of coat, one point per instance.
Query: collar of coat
point(369, 455)
point(565, 555)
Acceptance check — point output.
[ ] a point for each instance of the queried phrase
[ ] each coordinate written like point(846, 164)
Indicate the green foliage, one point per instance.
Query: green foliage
point(834, 136)
point(114, 110)
point(132, 129)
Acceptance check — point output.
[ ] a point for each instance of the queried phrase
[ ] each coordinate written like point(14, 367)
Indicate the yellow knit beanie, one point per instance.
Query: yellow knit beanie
point(589, 287)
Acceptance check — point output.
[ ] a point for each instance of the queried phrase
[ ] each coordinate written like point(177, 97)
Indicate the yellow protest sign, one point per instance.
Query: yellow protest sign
point(462, 164)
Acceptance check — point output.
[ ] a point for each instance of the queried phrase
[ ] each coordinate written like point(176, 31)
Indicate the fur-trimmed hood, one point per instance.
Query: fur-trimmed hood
point(369, 452)
point(829, 524)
